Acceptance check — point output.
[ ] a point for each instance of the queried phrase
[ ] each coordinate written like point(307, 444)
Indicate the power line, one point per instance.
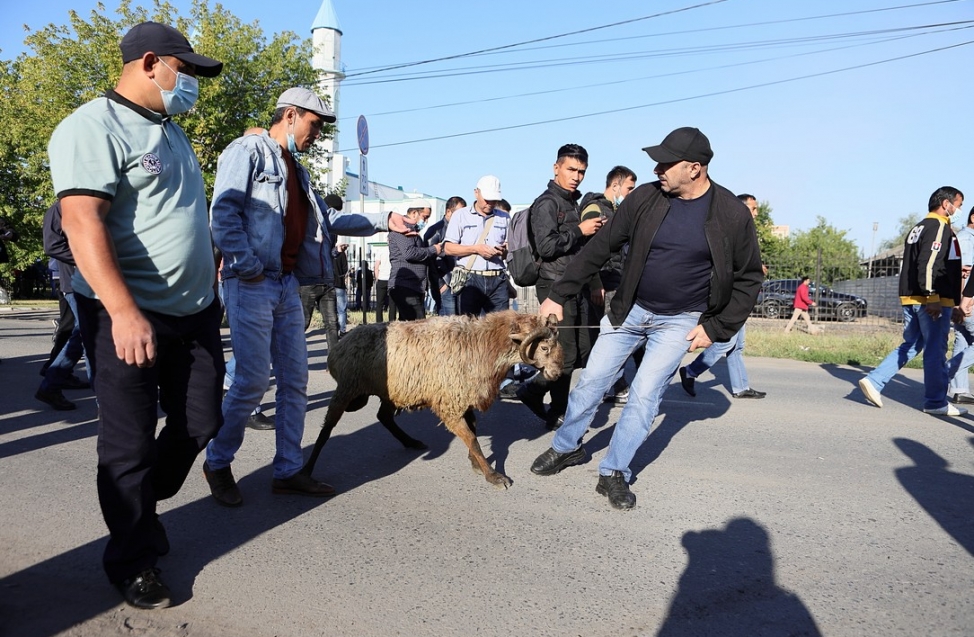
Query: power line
point(576, 88)
point(544, 39)
point(640, 55)
point(672, 101)
point(734, 26)
point(506, 48)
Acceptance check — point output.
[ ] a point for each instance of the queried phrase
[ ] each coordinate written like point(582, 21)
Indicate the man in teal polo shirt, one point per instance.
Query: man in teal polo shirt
point(134, 210)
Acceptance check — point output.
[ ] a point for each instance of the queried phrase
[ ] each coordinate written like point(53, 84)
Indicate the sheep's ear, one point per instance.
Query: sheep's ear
point(552, 320)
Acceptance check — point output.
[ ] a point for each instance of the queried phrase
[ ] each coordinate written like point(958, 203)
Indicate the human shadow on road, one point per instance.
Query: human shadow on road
point(729, 589)
point(200, 532)
point(677, 410)
point(22, 412)
point(948, 497)
point(900, 388)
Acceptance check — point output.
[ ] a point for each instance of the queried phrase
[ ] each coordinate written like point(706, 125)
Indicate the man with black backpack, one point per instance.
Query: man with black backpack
point(558, 234)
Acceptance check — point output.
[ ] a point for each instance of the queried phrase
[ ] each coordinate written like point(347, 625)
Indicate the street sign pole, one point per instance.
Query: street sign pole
point(362, 133)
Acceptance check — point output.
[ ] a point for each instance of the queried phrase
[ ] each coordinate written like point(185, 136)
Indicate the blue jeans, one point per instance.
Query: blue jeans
point(63, 364)
point(734, 349)
point(483, 294)
point(341, 304)
point(448, 302)
point(266, 325)
point(920, 332)
point(963, 357)
point(665, 338)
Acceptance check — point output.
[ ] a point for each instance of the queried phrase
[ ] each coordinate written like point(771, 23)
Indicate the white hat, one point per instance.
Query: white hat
point(490, 188)
point(303, 98)
point(417, 203)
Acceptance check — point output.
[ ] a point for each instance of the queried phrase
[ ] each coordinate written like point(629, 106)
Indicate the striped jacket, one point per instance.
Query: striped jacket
point(931, 264)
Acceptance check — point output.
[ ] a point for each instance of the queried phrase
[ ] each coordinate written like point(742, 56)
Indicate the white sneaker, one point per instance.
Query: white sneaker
point(870, 391)
point(948, 410)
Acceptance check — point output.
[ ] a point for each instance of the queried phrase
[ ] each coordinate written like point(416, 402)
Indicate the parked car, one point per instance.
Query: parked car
point(776, 300)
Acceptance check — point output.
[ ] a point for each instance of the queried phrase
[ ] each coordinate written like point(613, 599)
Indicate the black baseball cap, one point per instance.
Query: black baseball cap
point(162, 39)
point(683, 144)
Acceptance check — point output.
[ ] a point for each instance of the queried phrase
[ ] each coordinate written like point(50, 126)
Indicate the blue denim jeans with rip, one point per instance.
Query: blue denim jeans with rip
point(266, 327)
point(665, 339)
point(921, 333)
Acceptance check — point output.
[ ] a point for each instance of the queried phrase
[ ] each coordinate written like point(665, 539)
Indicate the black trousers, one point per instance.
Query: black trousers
point(576, 343)
point(383, 300)
point(409, 304)
point(326, 300)
point(135, 467)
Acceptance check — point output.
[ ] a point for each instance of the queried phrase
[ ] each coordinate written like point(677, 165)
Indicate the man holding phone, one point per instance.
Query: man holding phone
point(477, 237)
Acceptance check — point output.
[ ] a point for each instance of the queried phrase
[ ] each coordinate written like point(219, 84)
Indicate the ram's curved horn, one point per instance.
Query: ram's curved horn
point(539, 332)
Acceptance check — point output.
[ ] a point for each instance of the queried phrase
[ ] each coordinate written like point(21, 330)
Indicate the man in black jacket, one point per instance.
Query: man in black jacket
point(691, 278)
point(559, 233)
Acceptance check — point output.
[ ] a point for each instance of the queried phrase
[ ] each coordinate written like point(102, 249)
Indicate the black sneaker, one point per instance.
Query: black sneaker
point(687, 382)
point(551, 462)
point(750, 393)
point(509, 391)
point(616, 488)
point(145, 590)
point(55, 398)
point(260, 422)
point(223, 486)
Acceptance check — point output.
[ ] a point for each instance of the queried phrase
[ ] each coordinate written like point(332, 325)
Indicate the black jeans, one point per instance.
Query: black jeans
point(324, 298)
point(382, 299)
point(135, 468)
point(409, 303)
point(575, 342)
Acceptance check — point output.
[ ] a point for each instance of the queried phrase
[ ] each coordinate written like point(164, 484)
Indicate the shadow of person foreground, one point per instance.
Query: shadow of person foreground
point(200, 532)
point(946, 496)
point(728, 588)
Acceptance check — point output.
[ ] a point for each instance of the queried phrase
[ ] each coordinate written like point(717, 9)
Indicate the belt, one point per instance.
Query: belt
point(487, 272)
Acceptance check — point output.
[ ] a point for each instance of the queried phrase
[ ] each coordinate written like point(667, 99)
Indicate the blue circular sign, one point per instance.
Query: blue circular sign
point(363, 135)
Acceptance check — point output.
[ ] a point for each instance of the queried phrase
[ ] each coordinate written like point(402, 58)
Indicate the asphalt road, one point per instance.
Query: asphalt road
point(809, 512)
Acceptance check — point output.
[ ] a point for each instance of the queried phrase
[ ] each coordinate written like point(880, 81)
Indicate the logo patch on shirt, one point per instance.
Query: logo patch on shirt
point(914, 234)
point(152, 163)
point(935, 247)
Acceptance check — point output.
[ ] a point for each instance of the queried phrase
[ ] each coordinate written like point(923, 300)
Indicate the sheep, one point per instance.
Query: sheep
point(449, 364)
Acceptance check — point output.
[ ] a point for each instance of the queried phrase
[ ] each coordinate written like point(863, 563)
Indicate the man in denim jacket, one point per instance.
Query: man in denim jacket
point(267, 221)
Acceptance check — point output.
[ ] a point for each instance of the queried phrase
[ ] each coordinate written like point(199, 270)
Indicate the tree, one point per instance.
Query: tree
point(839, 260)
point(905, 225)
point(772, 246)
point(69, 65)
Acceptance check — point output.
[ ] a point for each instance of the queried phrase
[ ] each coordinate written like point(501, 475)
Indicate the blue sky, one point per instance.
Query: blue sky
point(856, 147)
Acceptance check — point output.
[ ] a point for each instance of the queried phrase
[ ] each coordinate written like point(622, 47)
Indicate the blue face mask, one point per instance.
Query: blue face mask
point(291, 146)
point(183, 95)
point(617, 201)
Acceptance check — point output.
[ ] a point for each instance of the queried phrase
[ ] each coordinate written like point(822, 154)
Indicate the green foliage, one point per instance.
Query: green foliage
point(905, 225)
point(824, 253)
point(68, 65)
point(772, 247)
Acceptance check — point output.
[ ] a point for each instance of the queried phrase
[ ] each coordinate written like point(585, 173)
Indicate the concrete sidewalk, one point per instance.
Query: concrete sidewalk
point(809, 512)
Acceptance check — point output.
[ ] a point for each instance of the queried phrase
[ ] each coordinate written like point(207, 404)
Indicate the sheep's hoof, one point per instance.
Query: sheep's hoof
point(499, 480)
point(412, 443)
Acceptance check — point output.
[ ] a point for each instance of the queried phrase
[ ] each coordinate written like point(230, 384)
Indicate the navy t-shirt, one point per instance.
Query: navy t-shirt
point(676, 277)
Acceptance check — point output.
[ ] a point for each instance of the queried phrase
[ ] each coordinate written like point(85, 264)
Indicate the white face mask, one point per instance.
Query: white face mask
point(183, 95)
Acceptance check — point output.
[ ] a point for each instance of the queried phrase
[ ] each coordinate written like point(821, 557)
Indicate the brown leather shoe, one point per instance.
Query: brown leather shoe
point(302, 484)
